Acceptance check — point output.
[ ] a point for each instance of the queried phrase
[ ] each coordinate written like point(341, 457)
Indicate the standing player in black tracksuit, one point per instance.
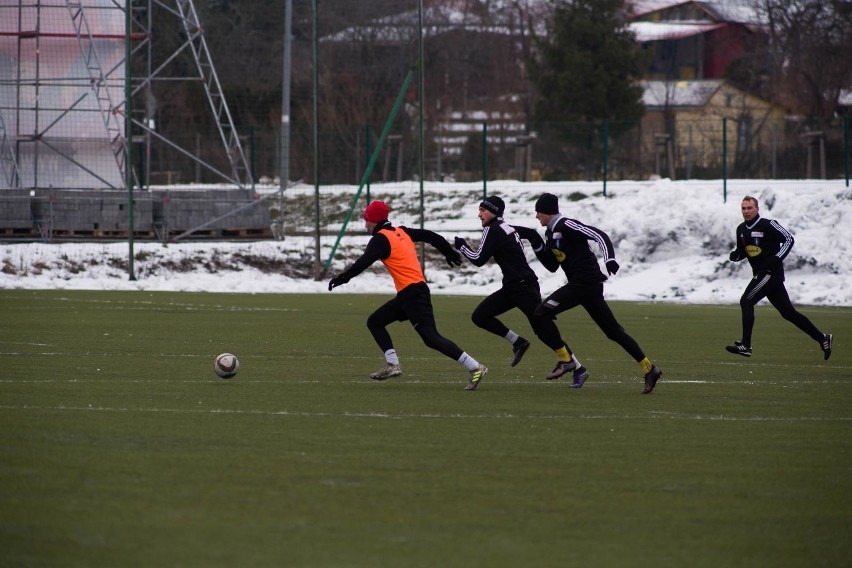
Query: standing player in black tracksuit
point(567, 246)
point(765, 243)
point(520, 290)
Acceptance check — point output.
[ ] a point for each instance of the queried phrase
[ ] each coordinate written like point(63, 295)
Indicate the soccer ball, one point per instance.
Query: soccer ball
point(226, 365)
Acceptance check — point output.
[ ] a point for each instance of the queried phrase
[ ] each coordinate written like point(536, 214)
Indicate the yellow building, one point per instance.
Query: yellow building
point(688, 125)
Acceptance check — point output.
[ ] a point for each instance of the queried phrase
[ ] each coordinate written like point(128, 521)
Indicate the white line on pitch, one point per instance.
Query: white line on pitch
point(400, 416)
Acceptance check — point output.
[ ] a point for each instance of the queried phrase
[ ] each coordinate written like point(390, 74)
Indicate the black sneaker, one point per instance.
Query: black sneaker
point(827, 340)
point(561, 368)
point(519, 348)
point(739, 349)
point(580, 376)
point(651, 378)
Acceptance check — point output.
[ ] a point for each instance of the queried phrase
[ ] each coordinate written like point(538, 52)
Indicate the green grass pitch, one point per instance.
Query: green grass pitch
point(120, 447)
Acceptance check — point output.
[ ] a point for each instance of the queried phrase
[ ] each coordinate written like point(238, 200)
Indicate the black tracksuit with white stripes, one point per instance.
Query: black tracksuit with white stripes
point(520, 284)
point(765, 243)
point(567, 246)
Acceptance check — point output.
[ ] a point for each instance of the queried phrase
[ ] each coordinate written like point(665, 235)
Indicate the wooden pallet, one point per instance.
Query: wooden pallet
point(261, 233)
point(43, 232)
point(100, 234)
point(19, 232)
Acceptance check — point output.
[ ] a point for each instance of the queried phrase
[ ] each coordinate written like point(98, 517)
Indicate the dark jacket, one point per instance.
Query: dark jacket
point(567, 246)
point(501, 241)
point(765, 243)
point(379, 248)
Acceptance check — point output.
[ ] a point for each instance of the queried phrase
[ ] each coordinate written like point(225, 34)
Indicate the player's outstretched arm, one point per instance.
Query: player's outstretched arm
point(443, 245)
point(377, 249)
point(530, 235)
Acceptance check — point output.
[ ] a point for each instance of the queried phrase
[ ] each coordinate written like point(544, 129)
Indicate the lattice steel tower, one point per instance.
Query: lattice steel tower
point(63, 92)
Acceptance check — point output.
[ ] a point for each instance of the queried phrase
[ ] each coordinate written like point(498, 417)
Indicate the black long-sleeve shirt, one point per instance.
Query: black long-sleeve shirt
point(501, 241)
point(379, 247)
point(567, 246)
point(765, 243)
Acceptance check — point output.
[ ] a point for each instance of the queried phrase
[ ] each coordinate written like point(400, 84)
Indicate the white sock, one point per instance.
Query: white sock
point(469, 362)
point(511, 337)
point(577, 361)
point(391, 357)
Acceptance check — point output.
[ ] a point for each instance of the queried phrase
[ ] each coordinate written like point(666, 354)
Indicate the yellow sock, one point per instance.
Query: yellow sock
point(562, 354)
point(646, 365)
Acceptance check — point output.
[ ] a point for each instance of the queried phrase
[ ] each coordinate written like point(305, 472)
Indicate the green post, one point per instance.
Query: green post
point(605, 153)
point(375, 156)
point(315, 141)
point(484, 160)
point(724, 160)
point(128, 137)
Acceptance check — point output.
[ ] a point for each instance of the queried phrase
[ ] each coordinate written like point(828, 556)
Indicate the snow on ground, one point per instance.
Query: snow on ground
point(672, 240)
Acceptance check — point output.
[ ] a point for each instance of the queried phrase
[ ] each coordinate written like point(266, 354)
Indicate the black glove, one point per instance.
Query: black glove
point(459, 242)
point(536, 242)
point(611, 267)
point(734, 256)
point(531, 235)
point(336, 281)
point(453, 258)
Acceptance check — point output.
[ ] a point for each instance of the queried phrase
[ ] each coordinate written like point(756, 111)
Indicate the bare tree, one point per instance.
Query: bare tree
point(810, 46)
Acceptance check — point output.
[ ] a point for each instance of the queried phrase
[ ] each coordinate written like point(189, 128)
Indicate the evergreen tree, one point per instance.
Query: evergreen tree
point(586, 71)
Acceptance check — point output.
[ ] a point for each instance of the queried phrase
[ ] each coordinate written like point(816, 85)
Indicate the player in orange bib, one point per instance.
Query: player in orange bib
point(394, 246)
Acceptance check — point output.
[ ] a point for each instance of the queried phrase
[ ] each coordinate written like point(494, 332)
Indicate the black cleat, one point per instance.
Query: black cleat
point(827, 340)
point(519, 348)
point(580, 376)
point(739, 349)
point(561, 368)
point(651, 378)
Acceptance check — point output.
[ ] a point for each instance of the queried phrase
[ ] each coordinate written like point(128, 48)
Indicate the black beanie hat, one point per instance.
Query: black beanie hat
point(494, 204)
point(547, 204)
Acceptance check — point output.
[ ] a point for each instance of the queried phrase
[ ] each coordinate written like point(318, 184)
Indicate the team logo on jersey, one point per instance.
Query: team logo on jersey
point(560, 256)
point(753, 250)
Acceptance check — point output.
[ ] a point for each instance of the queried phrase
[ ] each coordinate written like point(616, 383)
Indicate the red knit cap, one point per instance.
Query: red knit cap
point(376, 212)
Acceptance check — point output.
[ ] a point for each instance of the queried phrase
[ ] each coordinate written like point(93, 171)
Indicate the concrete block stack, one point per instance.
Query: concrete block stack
point(49, 213)
point(88, 213)
point(16, 215)
point(217, 210)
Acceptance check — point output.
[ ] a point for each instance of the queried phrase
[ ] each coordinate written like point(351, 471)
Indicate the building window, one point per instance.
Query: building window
point(744, 132)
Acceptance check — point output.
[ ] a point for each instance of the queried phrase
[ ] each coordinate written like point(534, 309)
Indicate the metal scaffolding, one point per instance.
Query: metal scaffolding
point(63, 61)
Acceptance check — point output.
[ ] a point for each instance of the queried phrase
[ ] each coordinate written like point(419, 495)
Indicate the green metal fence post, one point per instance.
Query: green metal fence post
point(128, 137)
point(375, 156)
